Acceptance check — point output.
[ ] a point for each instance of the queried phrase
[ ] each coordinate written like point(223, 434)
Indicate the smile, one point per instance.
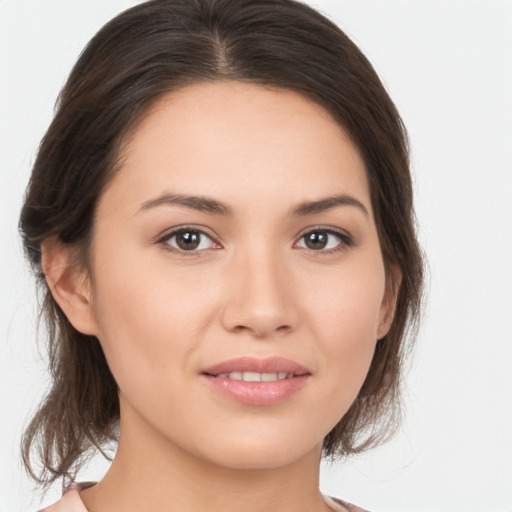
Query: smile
point(252, 381)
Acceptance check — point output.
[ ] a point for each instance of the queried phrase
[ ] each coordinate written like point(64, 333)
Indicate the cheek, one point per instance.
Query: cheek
point(346, 304)
point(345, 314)
point(137, 290)
point(148, 321)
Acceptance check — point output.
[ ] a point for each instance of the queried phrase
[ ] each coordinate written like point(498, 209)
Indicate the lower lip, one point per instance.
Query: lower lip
point(258, 393)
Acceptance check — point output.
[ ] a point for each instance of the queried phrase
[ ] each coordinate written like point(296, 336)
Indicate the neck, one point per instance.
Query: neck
point(149, 473)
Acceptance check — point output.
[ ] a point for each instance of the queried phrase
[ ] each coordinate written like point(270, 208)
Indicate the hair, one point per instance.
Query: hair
point(144, 53)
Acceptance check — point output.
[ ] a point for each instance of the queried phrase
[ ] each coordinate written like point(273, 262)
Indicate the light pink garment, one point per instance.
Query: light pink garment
point(71, 502)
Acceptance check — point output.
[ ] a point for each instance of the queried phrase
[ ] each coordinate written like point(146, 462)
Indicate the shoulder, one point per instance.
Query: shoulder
point(70, 501)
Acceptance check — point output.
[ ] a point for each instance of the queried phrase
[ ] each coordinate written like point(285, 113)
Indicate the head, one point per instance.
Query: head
point(176, 74)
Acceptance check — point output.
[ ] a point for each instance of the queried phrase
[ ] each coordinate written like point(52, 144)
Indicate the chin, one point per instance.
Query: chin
point(260, 452)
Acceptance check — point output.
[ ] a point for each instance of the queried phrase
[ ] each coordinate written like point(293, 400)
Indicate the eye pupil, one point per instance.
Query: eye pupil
point(316, 240)
point(188, 240)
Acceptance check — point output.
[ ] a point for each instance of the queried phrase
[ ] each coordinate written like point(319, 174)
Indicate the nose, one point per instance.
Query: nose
point(260, 297)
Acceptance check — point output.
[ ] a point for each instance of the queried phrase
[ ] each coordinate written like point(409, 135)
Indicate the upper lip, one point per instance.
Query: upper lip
point(252, 364)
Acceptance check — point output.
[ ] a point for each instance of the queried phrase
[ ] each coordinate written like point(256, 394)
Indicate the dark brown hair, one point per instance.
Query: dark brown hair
point(150, 50)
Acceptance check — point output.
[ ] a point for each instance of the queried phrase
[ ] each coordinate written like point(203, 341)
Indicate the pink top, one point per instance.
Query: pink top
point(71, 502)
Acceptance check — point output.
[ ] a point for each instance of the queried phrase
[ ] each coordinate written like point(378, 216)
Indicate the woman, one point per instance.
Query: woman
point(221, 217)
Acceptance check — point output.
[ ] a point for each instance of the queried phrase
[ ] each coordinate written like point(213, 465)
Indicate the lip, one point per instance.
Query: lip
point(257, 393)
point(252, 364)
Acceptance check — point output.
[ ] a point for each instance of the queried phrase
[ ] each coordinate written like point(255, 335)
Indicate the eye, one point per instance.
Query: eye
point(324, 240)
point(188, 240)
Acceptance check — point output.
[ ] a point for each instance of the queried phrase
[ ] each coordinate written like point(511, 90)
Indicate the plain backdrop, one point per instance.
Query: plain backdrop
point(448, 66)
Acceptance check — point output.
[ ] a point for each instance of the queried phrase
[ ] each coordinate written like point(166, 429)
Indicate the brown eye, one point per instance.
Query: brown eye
point(324, 240)
point(316, 240)
point(189, 240)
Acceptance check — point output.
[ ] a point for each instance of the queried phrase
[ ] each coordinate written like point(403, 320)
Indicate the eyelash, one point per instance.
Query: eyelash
point(345, 241)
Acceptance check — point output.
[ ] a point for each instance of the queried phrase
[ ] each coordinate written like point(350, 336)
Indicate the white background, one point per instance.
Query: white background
point(448, 66)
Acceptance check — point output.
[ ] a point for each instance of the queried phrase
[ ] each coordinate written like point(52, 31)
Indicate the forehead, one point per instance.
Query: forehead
point(231, 139)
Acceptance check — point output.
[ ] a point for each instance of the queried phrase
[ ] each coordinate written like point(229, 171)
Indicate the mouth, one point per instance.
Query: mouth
point(257, 381)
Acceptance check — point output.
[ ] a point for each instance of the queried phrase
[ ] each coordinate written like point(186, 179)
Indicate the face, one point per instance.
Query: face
point(238, 286)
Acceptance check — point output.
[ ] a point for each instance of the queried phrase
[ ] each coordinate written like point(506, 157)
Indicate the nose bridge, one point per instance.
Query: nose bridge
point(260, 299)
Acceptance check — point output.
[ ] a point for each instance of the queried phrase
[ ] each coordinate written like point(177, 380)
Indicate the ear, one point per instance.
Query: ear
point(388, 306)
point(69, 284)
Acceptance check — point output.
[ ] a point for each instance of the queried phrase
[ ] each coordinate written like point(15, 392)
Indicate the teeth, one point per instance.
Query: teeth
point(255, 376)
point(252, 376)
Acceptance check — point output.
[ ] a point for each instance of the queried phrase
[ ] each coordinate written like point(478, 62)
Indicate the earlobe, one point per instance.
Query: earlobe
point(388, 306)
point(69, 284)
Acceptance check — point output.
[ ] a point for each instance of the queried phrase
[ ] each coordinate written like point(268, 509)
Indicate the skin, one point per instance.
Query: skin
point(253, 288)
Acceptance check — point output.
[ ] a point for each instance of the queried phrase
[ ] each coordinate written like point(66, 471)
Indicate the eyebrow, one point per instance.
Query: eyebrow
point(209, 205)
point(199, 203)
point(327, 203)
